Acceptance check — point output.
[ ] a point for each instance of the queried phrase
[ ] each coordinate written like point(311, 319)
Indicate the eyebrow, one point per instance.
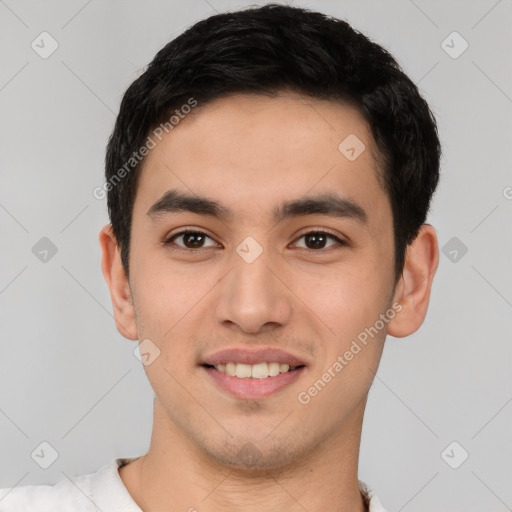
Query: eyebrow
point(174, 201)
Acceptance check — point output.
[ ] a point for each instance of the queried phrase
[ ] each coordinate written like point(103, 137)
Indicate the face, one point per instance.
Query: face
point(289, 260)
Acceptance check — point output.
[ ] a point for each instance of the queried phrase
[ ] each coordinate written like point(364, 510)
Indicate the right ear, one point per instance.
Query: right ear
point(117, 282)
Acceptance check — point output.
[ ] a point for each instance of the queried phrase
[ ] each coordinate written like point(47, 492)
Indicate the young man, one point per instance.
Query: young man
point(268, 182)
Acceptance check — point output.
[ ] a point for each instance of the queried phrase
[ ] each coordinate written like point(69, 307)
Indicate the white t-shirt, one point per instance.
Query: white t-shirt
point(100, 491)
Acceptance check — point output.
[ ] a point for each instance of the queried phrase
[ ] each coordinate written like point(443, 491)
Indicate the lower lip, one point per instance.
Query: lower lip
point(253, 389)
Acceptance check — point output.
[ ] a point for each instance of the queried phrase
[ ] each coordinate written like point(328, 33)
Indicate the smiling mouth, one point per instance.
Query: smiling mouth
point(254, 371)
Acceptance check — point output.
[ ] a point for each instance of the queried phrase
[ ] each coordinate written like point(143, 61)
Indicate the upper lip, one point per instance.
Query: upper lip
point(252, 356)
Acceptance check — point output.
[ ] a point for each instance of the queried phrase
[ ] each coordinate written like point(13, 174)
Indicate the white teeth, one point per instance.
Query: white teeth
point(273, 369)
point(230, 368)
point(259, 371)
point(255, 371)
point(243, 371)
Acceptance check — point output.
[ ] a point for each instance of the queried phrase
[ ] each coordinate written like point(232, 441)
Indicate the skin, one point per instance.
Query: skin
point(251, 153)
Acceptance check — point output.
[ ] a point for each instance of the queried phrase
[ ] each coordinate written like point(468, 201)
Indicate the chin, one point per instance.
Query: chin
point(254, 455)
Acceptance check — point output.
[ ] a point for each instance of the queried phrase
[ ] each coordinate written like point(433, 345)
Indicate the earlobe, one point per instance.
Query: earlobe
point(413, 289)
point(117, 282)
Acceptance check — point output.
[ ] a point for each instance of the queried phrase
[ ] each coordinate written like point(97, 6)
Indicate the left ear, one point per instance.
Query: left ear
point(413, 288)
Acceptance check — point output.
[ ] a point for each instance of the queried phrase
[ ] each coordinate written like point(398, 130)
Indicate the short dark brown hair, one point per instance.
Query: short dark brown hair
point(265, 50)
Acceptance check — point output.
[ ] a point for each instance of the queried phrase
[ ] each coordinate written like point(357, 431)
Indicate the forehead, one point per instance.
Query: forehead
point(250, 152)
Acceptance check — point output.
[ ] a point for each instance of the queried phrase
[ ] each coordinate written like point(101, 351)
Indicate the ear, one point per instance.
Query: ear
point(413, 288)
point(117, 282)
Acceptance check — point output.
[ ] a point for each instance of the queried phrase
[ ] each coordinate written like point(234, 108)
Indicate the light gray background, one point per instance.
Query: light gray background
point(68, 377)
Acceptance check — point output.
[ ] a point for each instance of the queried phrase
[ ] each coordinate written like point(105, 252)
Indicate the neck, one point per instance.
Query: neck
point(176, 473)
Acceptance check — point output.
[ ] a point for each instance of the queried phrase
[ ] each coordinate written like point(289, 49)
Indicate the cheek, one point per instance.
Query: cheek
point(350, 304)
point(171, 306)
point(348, 298)
point(165, 301)
point(162, 290)
point(167, 309)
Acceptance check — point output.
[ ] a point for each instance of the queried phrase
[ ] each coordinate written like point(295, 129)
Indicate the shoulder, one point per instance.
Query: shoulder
point(84, 493)
point(371, 499)
point(45, 498)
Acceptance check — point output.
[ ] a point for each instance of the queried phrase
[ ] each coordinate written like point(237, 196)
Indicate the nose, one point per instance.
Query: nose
point(253, 297)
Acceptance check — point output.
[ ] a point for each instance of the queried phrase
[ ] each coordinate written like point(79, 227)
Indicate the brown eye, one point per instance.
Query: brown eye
point(315, 240)
point(190, 239)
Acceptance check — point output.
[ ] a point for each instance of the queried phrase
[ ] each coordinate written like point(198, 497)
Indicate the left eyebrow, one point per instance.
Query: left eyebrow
point(325, 204)
point(174, 201)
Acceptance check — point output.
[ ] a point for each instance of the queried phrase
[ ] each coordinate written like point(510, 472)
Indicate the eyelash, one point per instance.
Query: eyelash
point(169, 241)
